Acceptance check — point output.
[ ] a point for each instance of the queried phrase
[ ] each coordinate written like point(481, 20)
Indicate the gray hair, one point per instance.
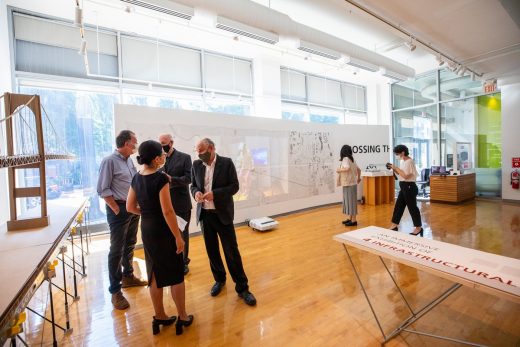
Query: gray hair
point(208, 142)
point(168, 136)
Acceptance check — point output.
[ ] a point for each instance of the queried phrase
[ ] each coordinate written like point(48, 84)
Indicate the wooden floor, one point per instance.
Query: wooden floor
point(306, 290)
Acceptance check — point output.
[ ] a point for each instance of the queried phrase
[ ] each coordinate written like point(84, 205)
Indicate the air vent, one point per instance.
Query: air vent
point(319, 50)
point(246, 30)
point(173, 9)
point(362, 64)
point(393, 75)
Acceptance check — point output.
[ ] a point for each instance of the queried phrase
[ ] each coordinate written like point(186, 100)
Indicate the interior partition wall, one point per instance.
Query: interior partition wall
point(446, 119)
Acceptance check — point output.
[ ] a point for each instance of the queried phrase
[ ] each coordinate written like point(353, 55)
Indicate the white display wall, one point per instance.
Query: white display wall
point(283, 166)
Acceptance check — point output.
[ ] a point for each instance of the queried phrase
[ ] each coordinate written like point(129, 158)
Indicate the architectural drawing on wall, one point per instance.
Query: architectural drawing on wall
point(311, 167)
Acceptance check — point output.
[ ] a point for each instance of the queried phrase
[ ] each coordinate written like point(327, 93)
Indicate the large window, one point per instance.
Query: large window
point(83, 120)
point(472, 137)
point(50, 47)
point(418, 130)
point(460, 126)
point(413, 93)
point(321, 100)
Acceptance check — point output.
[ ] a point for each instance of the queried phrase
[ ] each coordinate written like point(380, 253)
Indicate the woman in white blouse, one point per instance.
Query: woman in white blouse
point(406, 173)
point(349, 177)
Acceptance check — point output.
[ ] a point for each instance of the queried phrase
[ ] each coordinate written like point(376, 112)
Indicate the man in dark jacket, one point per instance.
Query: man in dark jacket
point(178, 168)
point(214, 182)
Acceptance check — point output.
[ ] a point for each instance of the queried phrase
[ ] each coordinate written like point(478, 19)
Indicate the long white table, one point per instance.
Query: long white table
point(494, 274)
point(25, 254)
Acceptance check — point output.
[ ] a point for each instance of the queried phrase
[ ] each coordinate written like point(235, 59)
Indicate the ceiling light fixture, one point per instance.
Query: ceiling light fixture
point(411, 46)
point(439, 60)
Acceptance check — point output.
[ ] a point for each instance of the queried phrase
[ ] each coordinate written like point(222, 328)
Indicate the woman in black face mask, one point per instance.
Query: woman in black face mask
point(149, 196)
point(406, 173)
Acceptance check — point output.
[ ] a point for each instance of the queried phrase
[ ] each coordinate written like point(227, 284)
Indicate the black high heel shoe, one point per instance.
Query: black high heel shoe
point(419, 233)
point(394, 229)
point(156, 323)
point(180, 323)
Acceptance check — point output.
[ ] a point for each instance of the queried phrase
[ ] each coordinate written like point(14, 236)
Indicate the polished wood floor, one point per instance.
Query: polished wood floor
point(306, 290)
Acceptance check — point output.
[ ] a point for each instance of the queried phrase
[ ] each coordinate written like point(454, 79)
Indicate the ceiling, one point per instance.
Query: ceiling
point(484, 35)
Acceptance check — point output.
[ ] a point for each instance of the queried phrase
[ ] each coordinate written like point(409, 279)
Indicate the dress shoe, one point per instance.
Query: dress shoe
point(182, 323)
point(248, 297)
point(351, 224)
point(156, 324)
point(186, 269)
point(217, 287)
point(119, 301)
point(132, 281)
point(420, 233)
point(346, 221)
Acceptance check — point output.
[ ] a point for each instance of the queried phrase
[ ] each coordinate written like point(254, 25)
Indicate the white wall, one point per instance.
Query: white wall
point(229, 131)
point(510, 136)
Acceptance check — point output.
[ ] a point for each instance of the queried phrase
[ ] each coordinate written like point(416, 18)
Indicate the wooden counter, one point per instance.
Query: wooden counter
point(452, 188)
point(378, 188)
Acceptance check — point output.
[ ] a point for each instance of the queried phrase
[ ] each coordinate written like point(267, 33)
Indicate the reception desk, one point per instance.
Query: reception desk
point(378, 187)
point(452, 188)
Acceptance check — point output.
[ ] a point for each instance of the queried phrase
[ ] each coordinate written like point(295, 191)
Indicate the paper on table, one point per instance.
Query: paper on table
point(181, 223)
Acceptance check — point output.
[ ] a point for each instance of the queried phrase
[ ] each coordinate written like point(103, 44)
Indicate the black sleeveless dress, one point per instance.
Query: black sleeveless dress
point(159, 243)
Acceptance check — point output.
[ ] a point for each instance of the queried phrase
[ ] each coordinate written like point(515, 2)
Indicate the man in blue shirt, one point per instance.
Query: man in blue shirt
point(115, 175)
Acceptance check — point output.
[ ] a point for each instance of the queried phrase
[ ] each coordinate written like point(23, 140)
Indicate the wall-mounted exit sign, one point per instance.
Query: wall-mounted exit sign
point(490, 86)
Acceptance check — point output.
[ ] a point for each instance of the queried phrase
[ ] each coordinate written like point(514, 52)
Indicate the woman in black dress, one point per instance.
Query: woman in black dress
point(149, 196)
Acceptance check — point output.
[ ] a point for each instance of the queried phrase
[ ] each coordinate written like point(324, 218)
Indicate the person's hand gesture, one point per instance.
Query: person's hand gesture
point(208, 196)
point(199, 197)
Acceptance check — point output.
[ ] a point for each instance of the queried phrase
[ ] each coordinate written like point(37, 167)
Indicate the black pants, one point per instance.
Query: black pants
point(212, 229)
point(407, 198)
point(123, 236)
point(186, 235)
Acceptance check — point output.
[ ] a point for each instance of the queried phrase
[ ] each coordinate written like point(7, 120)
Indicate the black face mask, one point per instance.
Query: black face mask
point(166, 148)
point(205, 157)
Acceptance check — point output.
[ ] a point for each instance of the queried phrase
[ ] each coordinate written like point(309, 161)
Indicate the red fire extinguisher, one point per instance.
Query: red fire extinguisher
point(515, 179)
